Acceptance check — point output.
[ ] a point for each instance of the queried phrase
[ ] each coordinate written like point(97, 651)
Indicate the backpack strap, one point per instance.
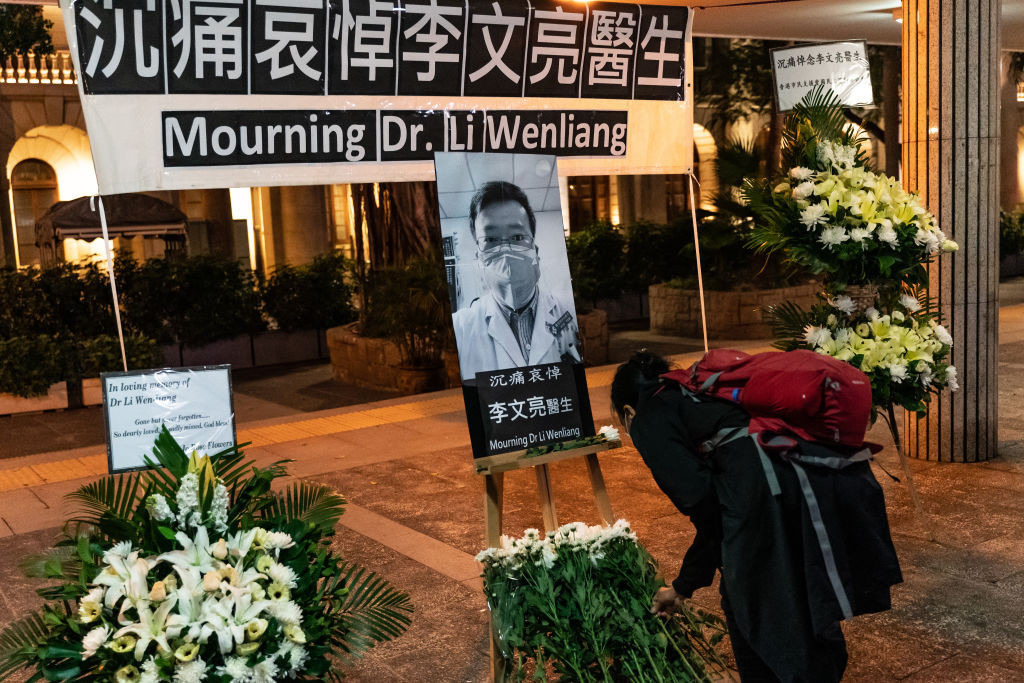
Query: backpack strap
point(709, 382)
point(814, 510)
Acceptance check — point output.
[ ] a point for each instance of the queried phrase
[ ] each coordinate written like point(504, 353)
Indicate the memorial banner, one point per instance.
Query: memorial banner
point(195, 404)
point(279, 91)
point(512, 303)
point(843, 67)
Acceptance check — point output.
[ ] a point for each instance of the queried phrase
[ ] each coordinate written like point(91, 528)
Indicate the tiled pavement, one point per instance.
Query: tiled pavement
point(415, 515)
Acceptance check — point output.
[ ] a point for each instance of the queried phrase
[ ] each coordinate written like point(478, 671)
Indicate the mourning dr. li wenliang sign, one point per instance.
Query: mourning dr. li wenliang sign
point(531, 406)
point(229, 138)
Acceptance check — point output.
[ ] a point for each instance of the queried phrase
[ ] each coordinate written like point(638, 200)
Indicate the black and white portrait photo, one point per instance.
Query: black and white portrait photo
point(505, 257)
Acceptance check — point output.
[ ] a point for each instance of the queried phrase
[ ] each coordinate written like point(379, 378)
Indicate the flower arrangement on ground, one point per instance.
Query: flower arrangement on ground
point(904, 352)
point(833, 215)
point(576, 603)
point(194, 570)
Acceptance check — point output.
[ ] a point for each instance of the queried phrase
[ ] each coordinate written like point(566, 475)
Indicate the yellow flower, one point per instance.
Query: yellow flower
point(246, 649)
point(126, 674)
point(89, 611)
point(294, 634)
point(264, 564)
point(125, 643)
point(863, 330)
point(255, 628)
point(187, 652)
point(278, 591)
point(211, 581)
point(880, 327)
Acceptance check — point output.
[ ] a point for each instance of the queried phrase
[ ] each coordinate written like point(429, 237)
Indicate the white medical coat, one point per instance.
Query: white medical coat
point(486, 341)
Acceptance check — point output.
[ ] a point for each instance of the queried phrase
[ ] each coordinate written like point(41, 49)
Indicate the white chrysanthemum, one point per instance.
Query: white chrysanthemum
point(159, 508)
point(94, 640)
point(928, 239)
point(843, 335)
point(813, 215)
point(951, 378)
point(860, 234)
point(121, 550)
point(188, 500)
point(150, 672)
point(844, 304)
point(292, 656)
point(817, 336)
point(943, 336)
point(219, 508)
point(898, 372)
point(265, 672)
point(282, 574)
point(285, 611)
point(236, 669)
point(872, 313)
point(949, 245)
point(926, 377)
point(833, 235)
point(800, 173)
point(277, 540)
point(910, 302)
point(803, 190)
point(190, 672)
point(610, 433)
point(887, 234)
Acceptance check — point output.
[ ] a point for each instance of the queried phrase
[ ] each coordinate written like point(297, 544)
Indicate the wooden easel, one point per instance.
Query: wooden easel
point(493, 469)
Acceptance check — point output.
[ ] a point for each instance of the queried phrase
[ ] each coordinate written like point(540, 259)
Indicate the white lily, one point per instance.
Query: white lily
point(118, 571)
point(152, 627)
point(239, 543)
point(227, 618)
point(194, 553)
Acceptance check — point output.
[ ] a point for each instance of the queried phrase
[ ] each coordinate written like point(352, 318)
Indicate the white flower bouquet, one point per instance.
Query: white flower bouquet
point(905, 352)
point(576, 602)
point(836, 217)
point(198, 572)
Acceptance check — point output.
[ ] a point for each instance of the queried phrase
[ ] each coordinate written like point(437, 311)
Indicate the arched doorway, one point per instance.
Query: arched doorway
point(33, 190)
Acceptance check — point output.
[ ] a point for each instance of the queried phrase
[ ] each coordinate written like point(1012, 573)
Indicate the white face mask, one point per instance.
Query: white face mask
point(511, 275)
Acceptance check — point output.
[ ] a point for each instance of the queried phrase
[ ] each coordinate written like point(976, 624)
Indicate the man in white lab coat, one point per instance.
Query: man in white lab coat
point(514, 323)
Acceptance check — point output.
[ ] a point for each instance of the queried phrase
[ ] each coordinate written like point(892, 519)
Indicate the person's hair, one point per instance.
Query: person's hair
point(637, 373)
point(499, 191)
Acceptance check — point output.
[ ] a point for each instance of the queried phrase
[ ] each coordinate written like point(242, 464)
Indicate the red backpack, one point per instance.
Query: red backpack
point(796, 393)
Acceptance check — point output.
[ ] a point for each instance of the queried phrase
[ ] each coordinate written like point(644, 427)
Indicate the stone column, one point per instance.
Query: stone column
point(300, 225)
point(951, 157)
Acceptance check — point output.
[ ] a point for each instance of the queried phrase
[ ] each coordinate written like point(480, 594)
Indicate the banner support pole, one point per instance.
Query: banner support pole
point(110, 272)
point(700, 274)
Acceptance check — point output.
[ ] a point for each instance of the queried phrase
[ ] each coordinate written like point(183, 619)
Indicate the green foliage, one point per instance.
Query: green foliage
point(658, 253)
point(194, 301)
point(314, 296)
point(409, 305)
point(345, 609)
point(583, 613)
point(1011, 232)
point(22, 30)
point(597, 261)
point(30, 364)
point(738, 80)
point(64, 299)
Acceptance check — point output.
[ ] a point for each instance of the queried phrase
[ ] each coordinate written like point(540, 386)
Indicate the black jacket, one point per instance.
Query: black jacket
point(771, 561)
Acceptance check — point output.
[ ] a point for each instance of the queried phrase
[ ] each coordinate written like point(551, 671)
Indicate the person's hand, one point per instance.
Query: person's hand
point(666, 601)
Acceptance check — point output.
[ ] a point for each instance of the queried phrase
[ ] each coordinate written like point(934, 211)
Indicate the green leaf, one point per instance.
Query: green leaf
point(166, 532)
point(20, 641)
point(54, 563)
point(109, 500)
point(312, 503)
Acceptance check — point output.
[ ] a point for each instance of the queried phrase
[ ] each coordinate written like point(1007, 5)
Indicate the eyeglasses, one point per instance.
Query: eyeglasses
point(520, 242)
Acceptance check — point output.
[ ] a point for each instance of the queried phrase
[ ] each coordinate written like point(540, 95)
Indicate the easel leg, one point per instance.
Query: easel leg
point(604, 505)
point(915, 499)
point(494, 485)
point(547, 500)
